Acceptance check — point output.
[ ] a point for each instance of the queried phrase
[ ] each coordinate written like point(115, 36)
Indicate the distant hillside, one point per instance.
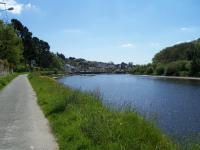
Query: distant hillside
point(178, 60)
point(183, 51)
point(82, 65)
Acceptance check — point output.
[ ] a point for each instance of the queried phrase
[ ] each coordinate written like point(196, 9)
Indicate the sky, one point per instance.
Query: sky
point(109, 30)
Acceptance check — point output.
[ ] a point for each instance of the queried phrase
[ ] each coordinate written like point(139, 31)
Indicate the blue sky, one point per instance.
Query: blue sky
point(110, 30)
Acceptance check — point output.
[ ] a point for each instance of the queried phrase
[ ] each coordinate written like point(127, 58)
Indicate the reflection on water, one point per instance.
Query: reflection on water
point(175, 103)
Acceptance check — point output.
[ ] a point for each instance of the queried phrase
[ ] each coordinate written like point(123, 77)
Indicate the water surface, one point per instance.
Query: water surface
point(174, 103)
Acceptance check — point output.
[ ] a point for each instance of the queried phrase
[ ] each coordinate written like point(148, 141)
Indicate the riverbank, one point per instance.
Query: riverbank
point(80, 121)
point(56, 76)
point(172, 77)
point(6, 79)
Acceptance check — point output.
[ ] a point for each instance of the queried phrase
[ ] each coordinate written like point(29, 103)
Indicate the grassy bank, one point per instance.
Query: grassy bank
point(6, 79)
point(80, 121)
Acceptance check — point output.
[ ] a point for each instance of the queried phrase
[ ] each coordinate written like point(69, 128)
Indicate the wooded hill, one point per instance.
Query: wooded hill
point(179, 60)
point(183, 51)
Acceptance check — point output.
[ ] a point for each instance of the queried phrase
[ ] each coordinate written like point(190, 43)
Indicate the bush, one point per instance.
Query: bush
point(160, 69)
point(21, 68)
point(184, 73)
point(5, 80)
point(149, 70)
point(177, 68)
point(171, 70)
point(139, 69)
point(36, 69)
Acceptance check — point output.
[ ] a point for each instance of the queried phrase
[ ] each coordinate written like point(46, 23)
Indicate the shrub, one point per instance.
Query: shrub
point(36, 69)
point(21, 68)
point(171, 70)
point(160, 69)
point(177, 68)
point(6, 79)
point(149, 70)
point(184, 73)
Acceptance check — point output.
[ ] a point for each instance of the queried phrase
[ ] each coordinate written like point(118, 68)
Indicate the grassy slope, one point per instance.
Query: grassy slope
point(79, 121)
point(5, 80)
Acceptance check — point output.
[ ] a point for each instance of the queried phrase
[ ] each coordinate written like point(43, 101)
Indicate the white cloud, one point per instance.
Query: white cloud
point(18, 7)
point(30, 6)
point(128, 45)
point(186, 29)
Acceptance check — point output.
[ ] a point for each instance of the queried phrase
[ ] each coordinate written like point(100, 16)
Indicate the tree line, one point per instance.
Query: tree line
point(179, 60)
point(22, 51)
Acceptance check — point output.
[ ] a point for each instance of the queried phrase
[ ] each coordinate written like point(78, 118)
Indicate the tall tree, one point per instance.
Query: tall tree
point(10, 44)
point(23, 32)
point(36, 50)
point(195, 64)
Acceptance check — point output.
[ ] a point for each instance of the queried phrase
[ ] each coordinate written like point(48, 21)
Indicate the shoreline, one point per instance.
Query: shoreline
point(153, 76)
point(74, 113)
point(172, 77)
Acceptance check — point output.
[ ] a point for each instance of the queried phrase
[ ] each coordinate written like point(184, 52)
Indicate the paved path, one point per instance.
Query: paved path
point(22, 123)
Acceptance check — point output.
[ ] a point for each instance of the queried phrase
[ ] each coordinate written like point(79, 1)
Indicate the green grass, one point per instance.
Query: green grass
point(6, 79)
point(80, 121)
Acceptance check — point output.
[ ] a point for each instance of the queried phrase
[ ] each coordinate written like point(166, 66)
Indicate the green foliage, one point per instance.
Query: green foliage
point(21, 68)
point(177, 68)
point(56, 62)
point(80, 121)
point(171, 70)
point(143, 69)
point(195, 64)
point(139, 69)
point(160, 69)
point(181, 51)
point(10, 45)
point(149, 70)
point(194, 147)
point(180, 60)
point(4, 63)
point(6, 79)
point(36, 52)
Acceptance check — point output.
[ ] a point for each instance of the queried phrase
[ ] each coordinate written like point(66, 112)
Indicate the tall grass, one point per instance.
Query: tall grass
point(6, 79)
point(80, 121)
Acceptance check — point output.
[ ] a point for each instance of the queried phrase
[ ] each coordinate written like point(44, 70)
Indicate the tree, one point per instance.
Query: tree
point(123, 65)
point(10, 44)
point(149, 70)
point(160, 69)
point(130, 64)
point(35, 50)
point(56, 62)
point(61, 56)
point(44, 57)
point(28, 43)
point(195, 64)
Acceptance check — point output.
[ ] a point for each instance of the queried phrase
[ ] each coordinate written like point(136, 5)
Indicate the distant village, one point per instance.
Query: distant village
point(74, 65)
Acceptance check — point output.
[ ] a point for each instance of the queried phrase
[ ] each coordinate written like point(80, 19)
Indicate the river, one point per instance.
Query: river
point(174, 104)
